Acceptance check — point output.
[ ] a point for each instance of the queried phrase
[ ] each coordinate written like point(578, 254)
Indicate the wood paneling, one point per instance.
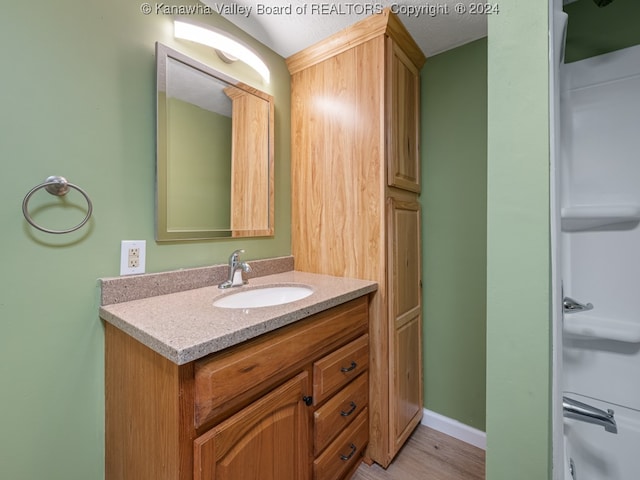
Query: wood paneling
point(349, 122)
point(337, 136)
point(149, 412)
point(252, 184)
point(338, 187)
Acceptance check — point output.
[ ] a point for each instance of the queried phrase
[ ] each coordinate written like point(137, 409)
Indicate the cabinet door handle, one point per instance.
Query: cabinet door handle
point(308, 400)
point(349, 368)
point(353, 451)
point(351, 410)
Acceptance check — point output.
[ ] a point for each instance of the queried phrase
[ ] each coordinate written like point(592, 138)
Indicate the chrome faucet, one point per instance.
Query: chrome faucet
point(236, 267)
point(587, 413)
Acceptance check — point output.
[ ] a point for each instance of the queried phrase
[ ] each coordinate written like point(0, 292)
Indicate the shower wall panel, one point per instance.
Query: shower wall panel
point(600, 223)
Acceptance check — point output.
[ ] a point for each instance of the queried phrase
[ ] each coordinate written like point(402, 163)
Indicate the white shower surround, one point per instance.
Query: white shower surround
point(600, 245)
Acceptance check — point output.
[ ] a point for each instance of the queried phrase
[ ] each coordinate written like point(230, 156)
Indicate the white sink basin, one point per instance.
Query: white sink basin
point(263, 297)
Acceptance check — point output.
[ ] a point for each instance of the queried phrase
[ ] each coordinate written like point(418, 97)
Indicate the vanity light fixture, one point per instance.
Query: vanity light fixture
point(227, 47)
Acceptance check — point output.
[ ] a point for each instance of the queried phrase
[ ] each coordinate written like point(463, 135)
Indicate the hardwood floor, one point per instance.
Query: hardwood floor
point(429, 455)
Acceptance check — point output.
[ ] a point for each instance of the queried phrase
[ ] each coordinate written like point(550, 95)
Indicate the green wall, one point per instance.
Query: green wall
point(593, 31)
point(78, 100)
point(198, 167)
point(518, 253)
point(519, 346)
point(454, 202)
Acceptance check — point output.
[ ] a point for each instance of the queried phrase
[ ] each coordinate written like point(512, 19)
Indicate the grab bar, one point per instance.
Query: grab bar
point(569, 305)
point(586, 413)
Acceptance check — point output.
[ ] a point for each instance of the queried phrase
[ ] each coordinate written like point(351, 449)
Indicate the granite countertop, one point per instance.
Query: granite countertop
point(185, 326)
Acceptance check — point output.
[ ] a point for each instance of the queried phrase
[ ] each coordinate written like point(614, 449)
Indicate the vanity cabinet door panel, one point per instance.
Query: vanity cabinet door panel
point(403, 96)
point(407, 391)
point(405, 313)
point(268, 440)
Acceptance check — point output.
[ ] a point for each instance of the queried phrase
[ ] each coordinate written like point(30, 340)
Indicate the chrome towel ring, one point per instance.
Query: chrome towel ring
point(59, 186)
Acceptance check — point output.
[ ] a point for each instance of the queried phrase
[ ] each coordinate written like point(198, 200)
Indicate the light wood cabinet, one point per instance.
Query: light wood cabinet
point(268, 440)
point(403, 158)
point(246, 413)
point(355, 181)
point(405, 316)
point(251, 177)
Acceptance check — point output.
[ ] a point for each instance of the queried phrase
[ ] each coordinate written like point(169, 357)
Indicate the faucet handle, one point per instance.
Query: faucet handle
point(234, 257)
point(569, 305)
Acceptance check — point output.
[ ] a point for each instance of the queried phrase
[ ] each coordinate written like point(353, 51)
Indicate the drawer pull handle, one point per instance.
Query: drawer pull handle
point(349, 368)
point(353, 409)
point(347, 457)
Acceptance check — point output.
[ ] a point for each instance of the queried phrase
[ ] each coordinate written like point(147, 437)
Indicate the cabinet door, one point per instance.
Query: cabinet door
point(268, 440)
point(405, 319)
point(403, 117)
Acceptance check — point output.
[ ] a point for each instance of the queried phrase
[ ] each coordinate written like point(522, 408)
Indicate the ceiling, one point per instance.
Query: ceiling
point(436, 28)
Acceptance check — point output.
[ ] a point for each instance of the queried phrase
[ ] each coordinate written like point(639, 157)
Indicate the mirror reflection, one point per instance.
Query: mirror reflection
point(214, 153)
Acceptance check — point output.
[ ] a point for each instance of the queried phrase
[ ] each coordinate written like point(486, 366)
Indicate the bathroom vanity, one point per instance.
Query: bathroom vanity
point(199, 392)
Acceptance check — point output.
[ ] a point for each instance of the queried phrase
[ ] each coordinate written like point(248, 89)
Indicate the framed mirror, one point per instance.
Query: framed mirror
point(215, 153)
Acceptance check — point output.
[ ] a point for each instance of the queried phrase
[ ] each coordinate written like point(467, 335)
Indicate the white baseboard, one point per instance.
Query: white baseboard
point(455, 429)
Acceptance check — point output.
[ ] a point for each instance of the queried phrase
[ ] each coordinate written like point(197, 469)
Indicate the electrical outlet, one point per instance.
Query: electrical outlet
point(132, 257)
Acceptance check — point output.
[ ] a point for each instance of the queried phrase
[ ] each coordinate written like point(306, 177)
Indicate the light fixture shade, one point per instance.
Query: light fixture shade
point(221, 41)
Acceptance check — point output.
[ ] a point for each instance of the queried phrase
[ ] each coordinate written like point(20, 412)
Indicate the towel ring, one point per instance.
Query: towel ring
point(59, 186)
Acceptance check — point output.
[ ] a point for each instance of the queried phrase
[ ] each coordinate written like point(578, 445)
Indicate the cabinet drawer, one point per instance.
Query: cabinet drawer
point(232, 378)
point(339, 368)
point(347, 450)
point(344, 407)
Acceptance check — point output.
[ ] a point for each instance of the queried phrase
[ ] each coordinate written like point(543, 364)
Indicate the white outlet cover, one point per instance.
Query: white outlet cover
point(125, 246)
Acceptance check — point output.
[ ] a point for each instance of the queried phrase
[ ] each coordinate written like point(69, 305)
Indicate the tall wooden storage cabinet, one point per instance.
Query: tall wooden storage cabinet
point(355, 182)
